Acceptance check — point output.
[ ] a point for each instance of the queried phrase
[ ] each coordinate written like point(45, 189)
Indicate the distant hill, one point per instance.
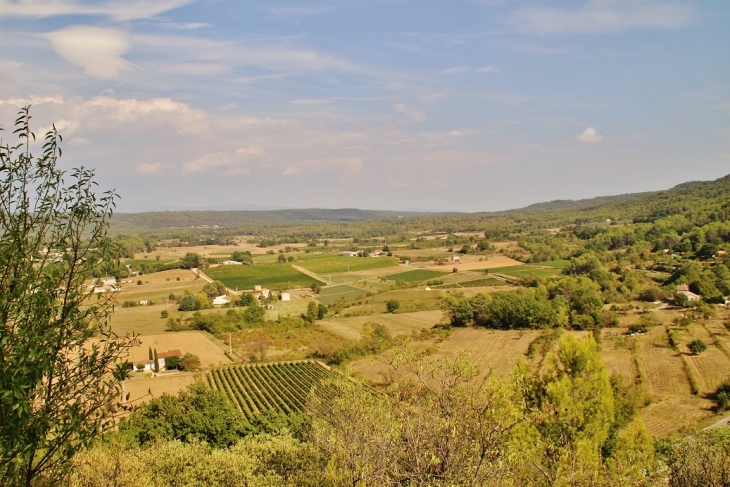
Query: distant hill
point(690, 197)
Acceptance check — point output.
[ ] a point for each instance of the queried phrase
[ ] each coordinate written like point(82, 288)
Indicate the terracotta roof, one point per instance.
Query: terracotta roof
point(175, 352)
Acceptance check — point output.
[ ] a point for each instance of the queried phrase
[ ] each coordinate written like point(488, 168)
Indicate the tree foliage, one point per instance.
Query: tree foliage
point(56, 355)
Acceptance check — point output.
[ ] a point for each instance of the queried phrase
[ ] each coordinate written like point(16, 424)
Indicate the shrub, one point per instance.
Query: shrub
point(722, 395)
point(189, 362)
point(171, 363)
point(164, 314)
point(697, 346)
point(139, 282)
point(392, 305)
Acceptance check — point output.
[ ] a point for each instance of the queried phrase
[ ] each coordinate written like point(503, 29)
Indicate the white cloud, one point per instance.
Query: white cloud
point(590, 135)
point(488, 69)
point(163, 110)
point(33, 100)
point(149, 168)
point(602, 16)
point(411, 113)
point(119, 10)
point(207, 162)
point(456, 70)
point(96, 49)
point(79, 141)
point(65, 127)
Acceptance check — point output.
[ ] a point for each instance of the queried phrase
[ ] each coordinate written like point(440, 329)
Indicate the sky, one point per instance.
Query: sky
point(459, 105)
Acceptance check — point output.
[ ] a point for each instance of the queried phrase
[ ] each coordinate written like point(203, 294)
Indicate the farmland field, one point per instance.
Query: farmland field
point(328, 263)
point(526, 270)
point(280, 386)
point(560, 264)
point(397, 324)
point(331, 294)
point(416, 275)
point(195, 342)
point(275, 276)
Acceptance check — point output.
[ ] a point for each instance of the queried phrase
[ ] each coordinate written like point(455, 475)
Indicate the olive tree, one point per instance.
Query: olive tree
point(57, 351)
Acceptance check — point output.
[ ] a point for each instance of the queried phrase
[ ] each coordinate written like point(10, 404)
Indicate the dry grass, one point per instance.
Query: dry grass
point(140, 387)
point(398, 324)
point(616, 352)
point(141, 320)
point(471, 263)
point(662, 366)
point(712, 366)
point(195, 342)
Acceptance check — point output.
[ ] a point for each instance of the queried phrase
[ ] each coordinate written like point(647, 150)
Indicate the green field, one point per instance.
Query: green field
point(274, 276)
point(416, 275)
point(553, 263)
point(529, 270)
point(279, 387)
point(328, 263)
point(333, 293)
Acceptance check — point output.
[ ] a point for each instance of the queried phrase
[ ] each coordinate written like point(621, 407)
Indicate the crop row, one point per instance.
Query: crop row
point(281, 386)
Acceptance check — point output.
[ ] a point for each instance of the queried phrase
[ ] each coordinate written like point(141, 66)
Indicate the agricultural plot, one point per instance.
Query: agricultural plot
point(332, 264)
point(416, 275)
point(198, 343)
point(274, 276)
point(559, 264)
point(282, 387)
point(488, 282)
point(712, 365)
point(332, 293)
point(397, 324)
point(529, 270)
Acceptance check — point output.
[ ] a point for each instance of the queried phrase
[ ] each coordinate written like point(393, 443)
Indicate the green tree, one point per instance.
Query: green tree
point(189, 362)
point(697, 346)
point(172, 362)
point(312, 312)
point(247, 299)
point(55, 382)
point(215, 288)
point(192, 260)
point(188, 302)
point(392, 305)
point(157, 362)
point(195, 414)
point(321, 311)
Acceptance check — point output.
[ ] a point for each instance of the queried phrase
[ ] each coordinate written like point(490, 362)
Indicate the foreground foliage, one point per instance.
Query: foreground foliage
point(55, 382)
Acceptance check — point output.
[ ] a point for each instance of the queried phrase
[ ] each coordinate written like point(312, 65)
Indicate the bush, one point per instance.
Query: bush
point(163, 314)
point(139, 282)
point(171, 363)
point(189, 362)
point(189, 302)
point(697, 346)
point(392, 305)
point(722, 395)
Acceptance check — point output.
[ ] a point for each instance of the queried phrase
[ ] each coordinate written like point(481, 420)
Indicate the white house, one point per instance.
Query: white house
point(144, 302)
point(376, 253)
point(455, 258)
point(349, 253)
point(150, 364)
point(231, 262)
point(221, 300)
point(684, 289)
point(285, 297)
point(257, 287)
point(108, 281)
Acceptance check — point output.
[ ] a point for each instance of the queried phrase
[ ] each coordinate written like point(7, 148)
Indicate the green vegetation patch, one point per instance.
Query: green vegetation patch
point(274, 276)
point(529, 270)
point(489, 281)
point(281, 387)
point(554, 263)
point(333, 293)
point(328, 263)
point(416, 275)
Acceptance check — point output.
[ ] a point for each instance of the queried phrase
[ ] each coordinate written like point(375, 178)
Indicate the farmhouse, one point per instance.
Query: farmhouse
point(108, 281)
point(150, 364)
point(349, 253)
point(221, 300)
point(285, 296)
point(231, 262)
point(376, 253)
point(257, 287)
point(455, 258)
point(684, 289)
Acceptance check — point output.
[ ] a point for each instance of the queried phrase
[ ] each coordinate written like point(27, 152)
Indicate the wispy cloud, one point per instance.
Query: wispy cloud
point(33, 100)
point(119, 10)
point(98, 50)
point(488, 69)
point(603, 16)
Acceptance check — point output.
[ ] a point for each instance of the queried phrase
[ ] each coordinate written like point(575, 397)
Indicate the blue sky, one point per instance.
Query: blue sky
point(456, 105)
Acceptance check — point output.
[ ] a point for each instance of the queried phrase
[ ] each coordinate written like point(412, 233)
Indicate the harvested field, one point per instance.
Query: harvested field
point(492, 262)
point(165, 383)
point(331, 294)
point(398, 324)
point(675, 413)
point(142, 320)
point(712, 365)
point(662, 366)
point(616, 352)
point(490, 349)
point(195, 342)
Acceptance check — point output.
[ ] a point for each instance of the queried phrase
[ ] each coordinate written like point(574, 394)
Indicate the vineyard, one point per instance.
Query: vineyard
point(280, 387)
point(489, 281)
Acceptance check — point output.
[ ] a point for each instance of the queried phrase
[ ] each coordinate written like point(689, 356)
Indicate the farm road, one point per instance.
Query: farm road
point(309, 273)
